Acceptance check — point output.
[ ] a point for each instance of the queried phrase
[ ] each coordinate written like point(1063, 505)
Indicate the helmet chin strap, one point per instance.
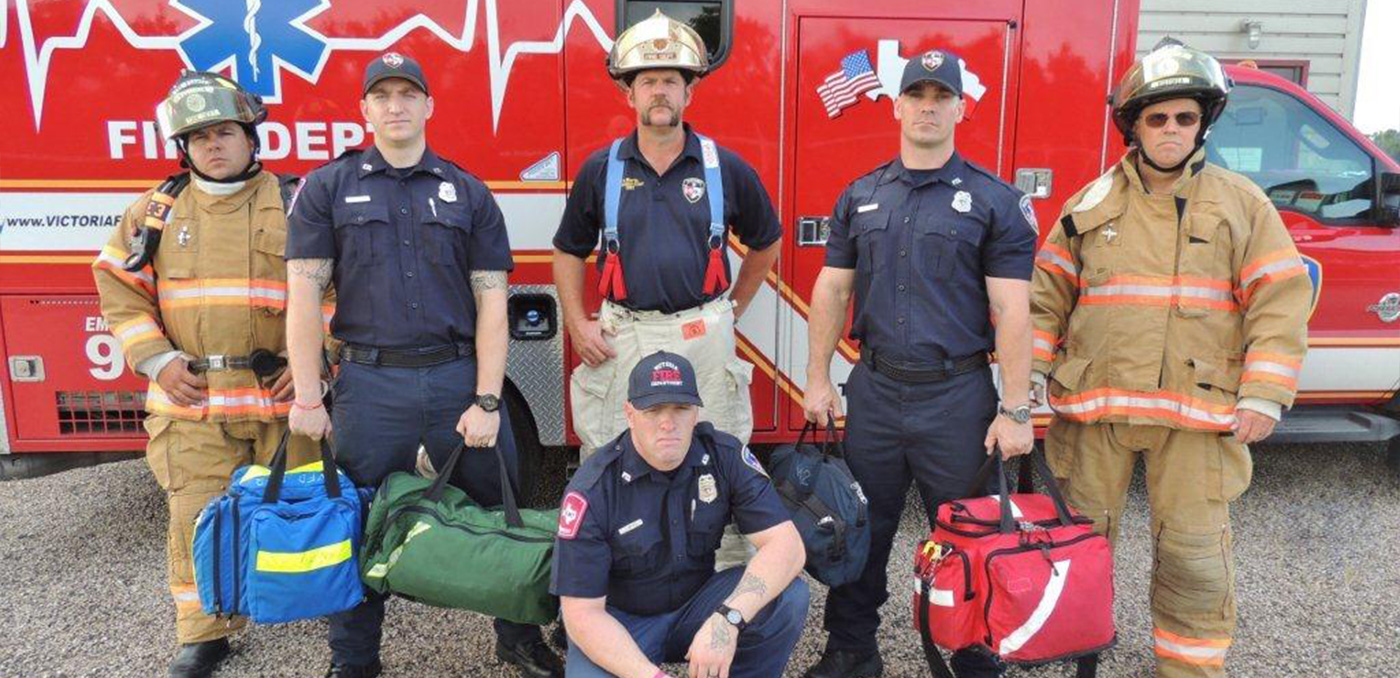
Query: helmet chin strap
point(250, 171)
point(1147, 159)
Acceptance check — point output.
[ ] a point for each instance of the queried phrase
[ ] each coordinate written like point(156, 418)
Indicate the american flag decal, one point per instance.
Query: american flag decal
point(841, 89)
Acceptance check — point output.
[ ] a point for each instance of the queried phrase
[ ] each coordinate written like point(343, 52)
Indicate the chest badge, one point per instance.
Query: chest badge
point(1109, 234)
point(708, 491)
point(693, 188)
point(447, 192)
point(962, 202)
point(631, 183)
point(184, 237)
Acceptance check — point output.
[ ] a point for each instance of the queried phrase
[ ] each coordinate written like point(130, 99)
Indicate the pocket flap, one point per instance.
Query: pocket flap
point(271, 241)
point(1070, 372)
point(1214, 372)
point(359, 213)
point(447, 214)
point(866, 222)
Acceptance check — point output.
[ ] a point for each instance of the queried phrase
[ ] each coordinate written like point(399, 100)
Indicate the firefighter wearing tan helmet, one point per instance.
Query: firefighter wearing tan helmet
point(1170, 311)
point(663, 202)
point(219, 392)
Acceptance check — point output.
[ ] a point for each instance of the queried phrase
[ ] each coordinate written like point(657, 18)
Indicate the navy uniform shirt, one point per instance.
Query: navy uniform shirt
point(404, 242)
point(645, 539)
point(922, 244)
point(663, 233)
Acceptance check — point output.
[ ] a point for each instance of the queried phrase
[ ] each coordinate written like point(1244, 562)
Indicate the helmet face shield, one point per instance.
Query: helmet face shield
point(202, 99)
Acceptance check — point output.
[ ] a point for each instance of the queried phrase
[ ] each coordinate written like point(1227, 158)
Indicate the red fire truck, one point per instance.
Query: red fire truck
point(523, 98)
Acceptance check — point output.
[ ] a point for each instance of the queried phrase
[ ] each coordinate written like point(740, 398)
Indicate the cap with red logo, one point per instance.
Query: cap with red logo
point(394, 65)
point(663, 378)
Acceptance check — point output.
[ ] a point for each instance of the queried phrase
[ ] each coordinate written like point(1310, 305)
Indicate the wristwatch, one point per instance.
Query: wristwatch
point(488, 402)
point(1019, 415)
point(733, 616)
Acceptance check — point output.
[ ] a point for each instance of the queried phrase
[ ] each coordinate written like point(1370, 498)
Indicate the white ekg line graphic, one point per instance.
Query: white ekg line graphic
point(37, 58)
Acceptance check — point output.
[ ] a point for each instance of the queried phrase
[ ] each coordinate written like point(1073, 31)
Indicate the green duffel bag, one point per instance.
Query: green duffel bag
point(429, 542)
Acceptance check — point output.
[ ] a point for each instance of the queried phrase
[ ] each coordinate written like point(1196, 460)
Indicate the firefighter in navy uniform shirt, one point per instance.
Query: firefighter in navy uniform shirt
point(641, 520)
point(934, 250)
point(418, 252)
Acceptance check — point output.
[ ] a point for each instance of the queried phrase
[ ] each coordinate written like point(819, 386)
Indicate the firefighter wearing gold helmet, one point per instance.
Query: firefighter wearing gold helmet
point(665, 200)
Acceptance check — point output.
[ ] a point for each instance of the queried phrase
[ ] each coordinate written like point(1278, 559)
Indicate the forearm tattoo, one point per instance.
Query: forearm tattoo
point(749, 584)
point(318, 271)
point(487, 280)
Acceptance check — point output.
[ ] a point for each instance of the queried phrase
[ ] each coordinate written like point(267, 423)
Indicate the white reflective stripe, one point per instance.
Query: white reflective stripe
point(1280, 265)
point(1059, 571)
point(939, 597)
point(119, 263)
point(126, 333)
point(1271, 367)
point(1102, 402)
point(185, 596)
point(1058, 260)
point(197, 292)
point(1191, 650)
point(1045, 344)
point(1159, 291)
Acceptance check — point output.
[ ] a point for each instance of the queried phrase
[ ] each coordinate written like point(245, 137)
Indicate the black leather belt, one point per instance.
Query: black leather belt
point(405, 357)
point(922, 373)
point(262, 362)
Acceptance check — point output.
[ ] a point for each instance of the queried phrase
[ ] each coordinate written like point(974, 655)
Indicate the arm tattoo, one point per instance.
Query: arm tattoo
point(749, 584)
point(318, 271)
point(487, 280)
point(719, 636)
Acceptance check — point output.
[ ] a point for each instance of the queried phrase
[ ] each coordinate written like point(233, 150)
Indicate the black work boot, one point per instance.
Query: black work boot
point(369, 670)
point(533, 657)
point(847, 664)
point(197, 660)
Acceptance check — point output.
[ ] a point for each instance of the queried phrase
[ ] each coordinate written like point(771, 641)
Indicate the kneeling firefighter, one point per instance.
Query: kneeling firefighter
point(201, 316)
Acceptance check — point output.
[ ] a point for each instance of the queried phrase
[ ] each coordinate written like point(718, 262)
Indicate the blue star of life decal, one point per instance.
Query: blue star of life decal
point(258, 38)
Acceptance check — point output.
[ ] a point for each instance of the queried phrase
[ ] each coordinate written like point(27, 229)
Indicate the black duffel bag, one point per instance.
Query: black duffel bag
point(827, 504)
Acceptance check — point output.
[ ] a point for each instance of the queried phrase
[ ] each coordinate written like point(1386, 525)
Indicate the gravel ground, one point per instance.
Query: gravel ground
point(82, 584)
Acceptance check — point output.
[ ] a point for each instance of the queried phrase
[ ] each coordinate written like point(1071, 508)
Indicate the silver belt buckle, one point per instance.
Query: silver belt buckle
point(217, 362)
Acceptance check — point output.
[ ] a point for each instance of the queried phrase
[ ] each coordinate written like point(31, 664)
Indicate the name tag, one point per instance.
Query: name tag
point(352, 199)
point(630, 526)
point(868, 208)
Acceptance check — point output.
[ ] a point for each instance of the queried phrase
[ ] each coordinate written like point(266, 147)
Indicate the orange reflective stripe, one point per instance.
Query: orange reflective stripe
point(1280, 265)
point(1090, 406)
point(1057, 260)
point(114, 260)
point(1132, 290)
point(1044, 345)
point(223, 292)
point(327, 314)
point(1272, 367)
point(1198, 651)
point(139, 329)
point(221, 403)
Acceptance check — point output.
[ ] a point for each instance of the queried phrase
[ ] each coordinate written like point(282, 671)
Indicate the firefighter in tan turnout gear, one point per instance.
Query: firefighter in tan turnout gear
point(1170, 311)
point(202, 318)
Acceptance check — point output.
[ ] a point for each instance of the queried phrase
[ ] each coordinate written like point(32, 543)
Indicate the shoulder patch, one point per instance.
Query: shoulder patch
point(295, 191)
point(752, 461)
point(571, 514)
point(1028, 211)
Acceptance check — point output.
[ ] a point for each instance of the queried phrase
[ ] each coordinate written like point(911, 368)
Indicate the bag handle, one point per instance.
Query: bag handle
point(508, 501)
point(1052, 488)
point(936, 665)
point(330, 473)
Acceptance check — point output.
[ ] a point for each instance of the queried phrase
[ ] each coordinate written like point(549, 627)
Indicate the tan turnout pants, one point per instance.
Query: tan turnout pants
point(703, 335)
point(1192, 476)
point(193, 461)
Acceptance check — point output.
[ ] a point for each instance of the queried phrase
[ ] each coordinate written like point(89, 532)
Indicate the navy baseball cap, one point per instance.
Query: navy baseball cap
point(937, 66)
point(393, 65)
point(663, 378)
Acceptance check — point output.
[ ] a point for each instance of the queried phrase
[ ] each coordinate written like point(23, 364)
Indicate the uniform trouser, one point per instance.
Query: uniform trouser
point(193, 461)
point(1192, 476)
point(381, 416)
point(704, 335)
point(763, 648)
point(897, 433)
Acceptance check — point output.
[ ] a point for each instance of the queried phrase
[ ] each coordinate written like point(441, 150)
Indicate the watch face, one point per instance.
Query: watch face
point(488, 402)
point(734, 617)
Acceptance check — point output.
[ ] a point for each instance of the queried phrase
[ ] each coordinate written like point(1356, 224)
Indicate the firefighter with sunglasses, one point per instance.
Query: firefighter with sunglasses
point(1170, 310)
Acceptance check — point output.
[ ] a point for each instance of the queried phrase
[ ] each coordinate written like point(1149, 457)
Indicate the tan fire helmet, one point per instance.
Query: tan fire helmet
point(199, 99)
point(658, 42)
point(1171, 71)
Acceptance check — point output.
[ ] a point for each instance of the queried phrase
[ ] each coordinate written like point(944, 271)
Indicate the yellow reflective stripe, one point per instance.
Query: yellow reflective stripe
point(304, 561)
point(261, 471)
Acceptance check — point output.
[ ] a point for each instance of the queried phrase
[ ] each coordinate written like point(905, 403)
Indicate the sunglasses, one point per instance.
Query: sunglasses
point(1183, 119)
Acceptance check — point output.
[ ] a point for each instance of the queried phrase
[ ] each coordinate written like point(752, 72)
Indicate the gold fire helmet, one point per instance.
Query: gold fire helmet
point(658, 42)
